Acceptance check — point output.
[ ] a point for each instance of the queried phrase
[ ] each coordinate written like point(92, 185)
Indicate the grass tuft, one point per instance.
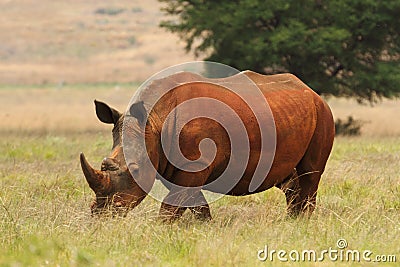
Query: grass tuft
point(45, 218)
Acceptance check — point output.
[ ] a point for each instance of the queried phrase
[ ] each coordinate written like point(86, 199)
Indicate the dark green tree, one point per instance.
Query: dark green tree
point(344, 47)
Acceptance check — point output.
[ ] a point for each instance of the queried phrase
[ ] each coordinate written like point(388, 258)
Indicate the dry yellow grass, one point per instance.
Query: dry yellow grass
point(57, 110)
point(45, 217)
point(71, 109)
point(67, 41)
point(379, 120)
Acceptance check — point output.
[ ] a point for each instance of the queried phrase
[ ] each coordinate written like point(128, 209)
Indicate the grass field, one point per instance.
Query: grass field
point(56, 57)
point(62, 42)
point(44, 198)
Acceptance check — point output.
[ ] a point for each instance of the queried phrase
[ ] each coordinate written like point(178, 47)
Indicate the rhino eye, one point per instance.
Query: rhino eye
point(134, 169)
point(135, 172)
point(109, 164)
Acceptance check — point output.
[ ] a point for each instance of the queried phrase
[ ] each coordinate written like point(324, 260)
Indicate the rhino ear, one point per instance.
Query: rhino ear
point(138, 111)
point(105, 113)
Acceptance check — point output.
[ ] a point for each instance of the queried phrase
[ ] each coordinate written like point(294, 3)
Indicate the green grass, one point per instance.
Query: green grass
point(45, 218)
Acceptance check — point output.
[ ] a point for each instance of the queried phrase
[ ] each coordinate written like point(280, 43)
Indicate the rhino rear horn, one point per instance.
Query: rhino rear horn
point(96, 179)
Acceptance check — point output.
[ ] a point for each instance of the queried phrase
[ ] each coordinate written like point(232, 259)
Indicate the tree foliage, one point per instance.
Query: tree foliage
point(342, 47)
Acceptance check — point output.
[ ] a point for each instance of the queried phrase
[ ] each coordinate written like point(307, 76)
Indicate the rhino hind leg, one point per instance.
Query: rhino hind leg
point(301, 186)
point(308, 181)
point(312, 165)
point(300, 189)
point(291, 188)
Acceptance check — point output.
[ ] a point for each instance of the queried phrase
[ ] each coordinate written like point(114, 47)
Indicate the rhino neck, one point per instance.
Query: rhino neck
point(162, 120)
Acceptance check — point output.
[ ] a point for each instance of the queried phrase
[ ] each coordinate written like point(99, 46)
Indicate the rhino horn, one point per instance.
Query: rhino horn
point(96, 179)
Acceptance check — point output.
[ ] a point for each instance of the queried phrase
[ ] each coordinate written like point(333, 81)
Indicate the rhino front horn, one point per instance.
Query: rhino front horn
point(95, 178)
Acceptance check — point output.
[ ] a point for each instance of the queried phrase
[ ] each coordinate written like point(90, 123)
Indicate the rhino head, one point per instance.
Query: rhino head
point(114, 184)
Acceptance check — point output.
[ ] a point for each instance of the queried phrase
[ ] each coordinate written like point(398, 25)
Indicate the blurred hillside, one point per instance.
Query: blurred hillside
point(47, 42)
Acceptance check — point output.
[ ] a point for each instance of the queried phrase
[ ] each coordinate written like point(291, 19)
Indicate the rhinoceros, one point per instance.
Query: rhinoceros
point(303, 138)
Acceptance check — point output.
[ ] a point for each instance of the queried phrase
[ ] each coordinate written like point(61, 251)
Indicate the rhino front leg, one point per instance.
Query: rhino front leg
point(187, 193)
point(170, 213)
point(175, 204)
point(201, 212)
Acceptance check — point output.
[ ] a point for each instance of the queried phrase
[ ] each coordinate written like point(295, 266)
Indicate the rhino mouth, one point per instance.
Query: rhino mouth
point(104, 206)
